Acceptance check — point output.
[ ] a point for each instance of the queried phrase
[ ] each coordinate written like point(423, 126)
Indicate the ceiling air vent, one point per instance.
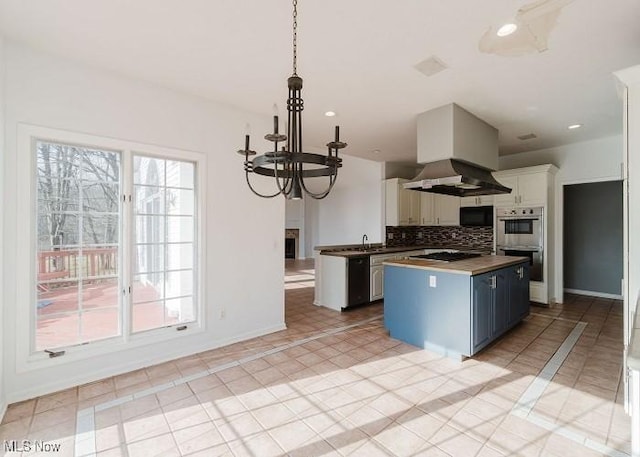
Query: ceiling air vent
point(528, 136)
point(430, 66)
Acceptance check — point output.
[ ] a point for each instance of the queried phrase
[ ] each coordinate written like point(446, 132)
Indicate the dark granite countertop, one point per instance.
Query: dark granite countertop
point(355, 250)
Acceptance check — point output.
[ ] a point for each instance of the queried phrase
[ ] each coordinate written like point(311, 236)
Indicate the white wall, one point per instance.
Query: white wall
point(244, 233)
point(629, 79)
point(633, 164)
point(352, 209)
point(3, 403)
point(588, 161)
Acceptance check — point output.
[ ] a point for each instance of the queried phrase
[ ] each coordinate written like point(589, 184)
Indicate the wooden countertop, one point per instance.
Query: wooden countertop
point(471, 267)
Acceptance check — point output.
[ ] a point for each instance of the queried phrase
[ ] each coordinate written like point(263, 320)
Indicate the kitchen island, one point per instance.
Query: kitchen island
point(455, 308)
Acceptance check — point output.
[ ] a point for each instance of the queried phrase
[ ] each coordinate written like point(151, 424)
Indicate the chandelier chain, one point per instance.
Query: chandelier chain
point(295, 37)
point(290, 166)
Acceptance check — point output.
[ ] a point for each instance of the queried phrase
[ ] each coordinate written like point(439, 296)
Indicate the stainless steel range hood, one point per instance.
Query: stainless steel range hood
point(459, 152)
point(456, 177)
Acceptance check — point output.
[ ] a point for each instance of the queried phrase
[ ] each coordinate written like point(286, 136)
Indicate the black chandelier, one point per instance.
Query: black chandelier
point(290, 166)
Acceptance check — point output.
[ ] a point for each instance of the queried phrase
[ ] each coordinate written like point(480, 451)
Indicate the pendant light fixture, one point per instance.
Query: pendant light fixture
point(290, 166)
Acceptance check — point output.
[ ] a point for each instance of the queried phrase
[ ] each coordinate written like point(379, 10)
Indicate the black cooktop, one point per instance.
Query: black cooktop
point(447, 256)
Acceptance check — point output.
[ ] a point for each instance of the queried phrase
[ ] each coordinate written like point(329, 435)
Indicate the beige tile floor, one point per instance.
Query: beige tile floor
point(355, 391)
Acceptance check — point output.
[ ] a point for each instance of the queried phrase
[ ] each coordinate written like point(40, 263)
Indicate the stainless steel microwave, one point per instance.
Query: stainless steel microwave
point(476, 216)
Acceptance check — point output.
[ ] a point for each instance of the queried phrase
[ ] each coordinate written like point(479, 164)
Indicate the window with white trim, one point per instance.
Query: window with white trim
point(163, 278)
point(116, 242)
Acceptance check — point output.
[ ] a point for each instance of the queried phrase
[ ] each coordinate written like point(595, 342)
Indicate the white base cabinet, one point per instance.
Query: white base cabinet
point(538, 292)
point(377, 282)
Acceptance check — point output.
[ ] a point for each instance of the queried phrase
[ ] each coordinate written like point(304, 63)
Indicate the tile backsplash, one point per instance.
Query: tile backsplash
point(474, 237)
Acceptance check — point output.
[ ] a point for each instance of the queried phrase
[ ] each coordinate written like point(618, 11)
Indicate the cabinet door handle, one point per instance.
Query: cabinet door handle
point(493, 282)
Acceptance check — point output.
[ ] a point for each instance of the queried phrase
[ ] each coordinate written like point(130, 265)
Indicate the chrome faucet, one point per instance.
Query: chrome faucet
point(364, 237)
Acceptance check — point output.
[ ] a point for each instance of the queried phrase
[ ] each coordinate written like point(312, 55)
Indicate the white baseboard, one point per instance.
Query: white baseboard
point(593, 294)
point(84, 378)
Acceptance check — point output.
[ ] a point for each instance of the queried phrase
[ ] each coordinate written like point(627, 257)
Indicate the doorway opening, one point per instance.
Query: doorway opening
point(592, 239)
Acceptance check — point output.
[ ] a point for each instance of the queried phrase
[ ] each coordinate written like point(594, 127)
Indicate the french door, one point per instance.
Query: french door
point(116, 243)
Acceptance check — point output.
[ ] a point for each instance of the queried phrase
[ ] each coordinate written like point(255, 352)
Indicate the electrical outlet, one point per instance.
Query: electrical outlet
point(419, 235)
point(454, 235)
point(432, 281)
point(389, 236)
point(404, 235)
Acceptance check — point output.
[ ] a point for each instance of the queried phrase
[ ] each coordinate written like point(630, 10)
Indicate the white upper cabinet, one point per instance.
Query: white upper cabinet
point(533, 189)
point(480, 200)
point(402, 207)
point(529, 186)
point(427, 212)
point(506, 199)
point(447, 209)
point(437, 209)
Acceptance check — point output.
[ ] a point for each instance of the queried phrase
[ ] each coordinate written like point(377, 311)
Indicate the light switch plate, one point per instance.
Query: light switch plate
point(432, 281)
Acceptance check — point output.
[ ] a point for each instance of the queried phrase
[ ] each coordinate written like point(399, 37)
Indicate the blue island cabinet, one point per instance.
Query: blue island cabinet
point(451, 313)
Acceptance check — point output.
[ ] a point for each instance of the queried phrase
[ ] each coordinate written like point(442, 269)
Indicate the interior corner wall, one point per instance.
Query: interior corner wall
point(3, 403)
point(400, 170)
point(351, 210)
point(587, 161)
point(49, 91)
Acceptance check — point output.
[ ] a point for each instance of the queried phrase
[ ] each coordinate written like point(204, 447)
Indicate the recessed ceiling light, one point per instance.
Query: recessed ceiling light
point(574, 126)
point(376, 151)
point(330, 113)
point(507, 29)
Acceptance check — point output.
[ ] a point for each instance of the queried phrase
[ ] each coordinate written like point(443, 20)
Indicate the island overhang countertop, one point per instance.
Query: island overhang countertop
point(471, 267)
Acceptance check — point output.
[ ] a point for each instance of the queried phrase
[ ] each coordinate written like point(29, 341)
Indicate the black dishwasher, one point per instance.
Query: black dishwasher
point(358, 280)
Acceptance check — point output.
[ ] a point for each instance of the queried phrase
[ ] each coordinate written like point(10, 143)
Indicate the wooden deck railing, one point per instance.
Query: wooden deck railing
point(72, 264)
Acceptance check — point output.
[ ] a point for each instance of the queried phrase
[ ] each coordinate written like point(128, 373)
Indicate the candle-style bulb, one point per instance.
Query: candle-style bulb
point(337, 133)
point(246, 142)
point(247, 129)
point(275, 124)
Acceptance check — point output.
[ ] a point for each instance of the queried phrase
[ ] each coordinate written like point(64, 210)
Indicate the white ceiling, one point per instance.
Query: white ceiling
point(357, 58)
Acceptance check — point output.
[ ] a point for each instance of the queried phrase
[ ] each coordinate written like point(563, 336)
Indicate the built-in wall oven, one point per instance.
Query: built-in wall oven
point(519, 232)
